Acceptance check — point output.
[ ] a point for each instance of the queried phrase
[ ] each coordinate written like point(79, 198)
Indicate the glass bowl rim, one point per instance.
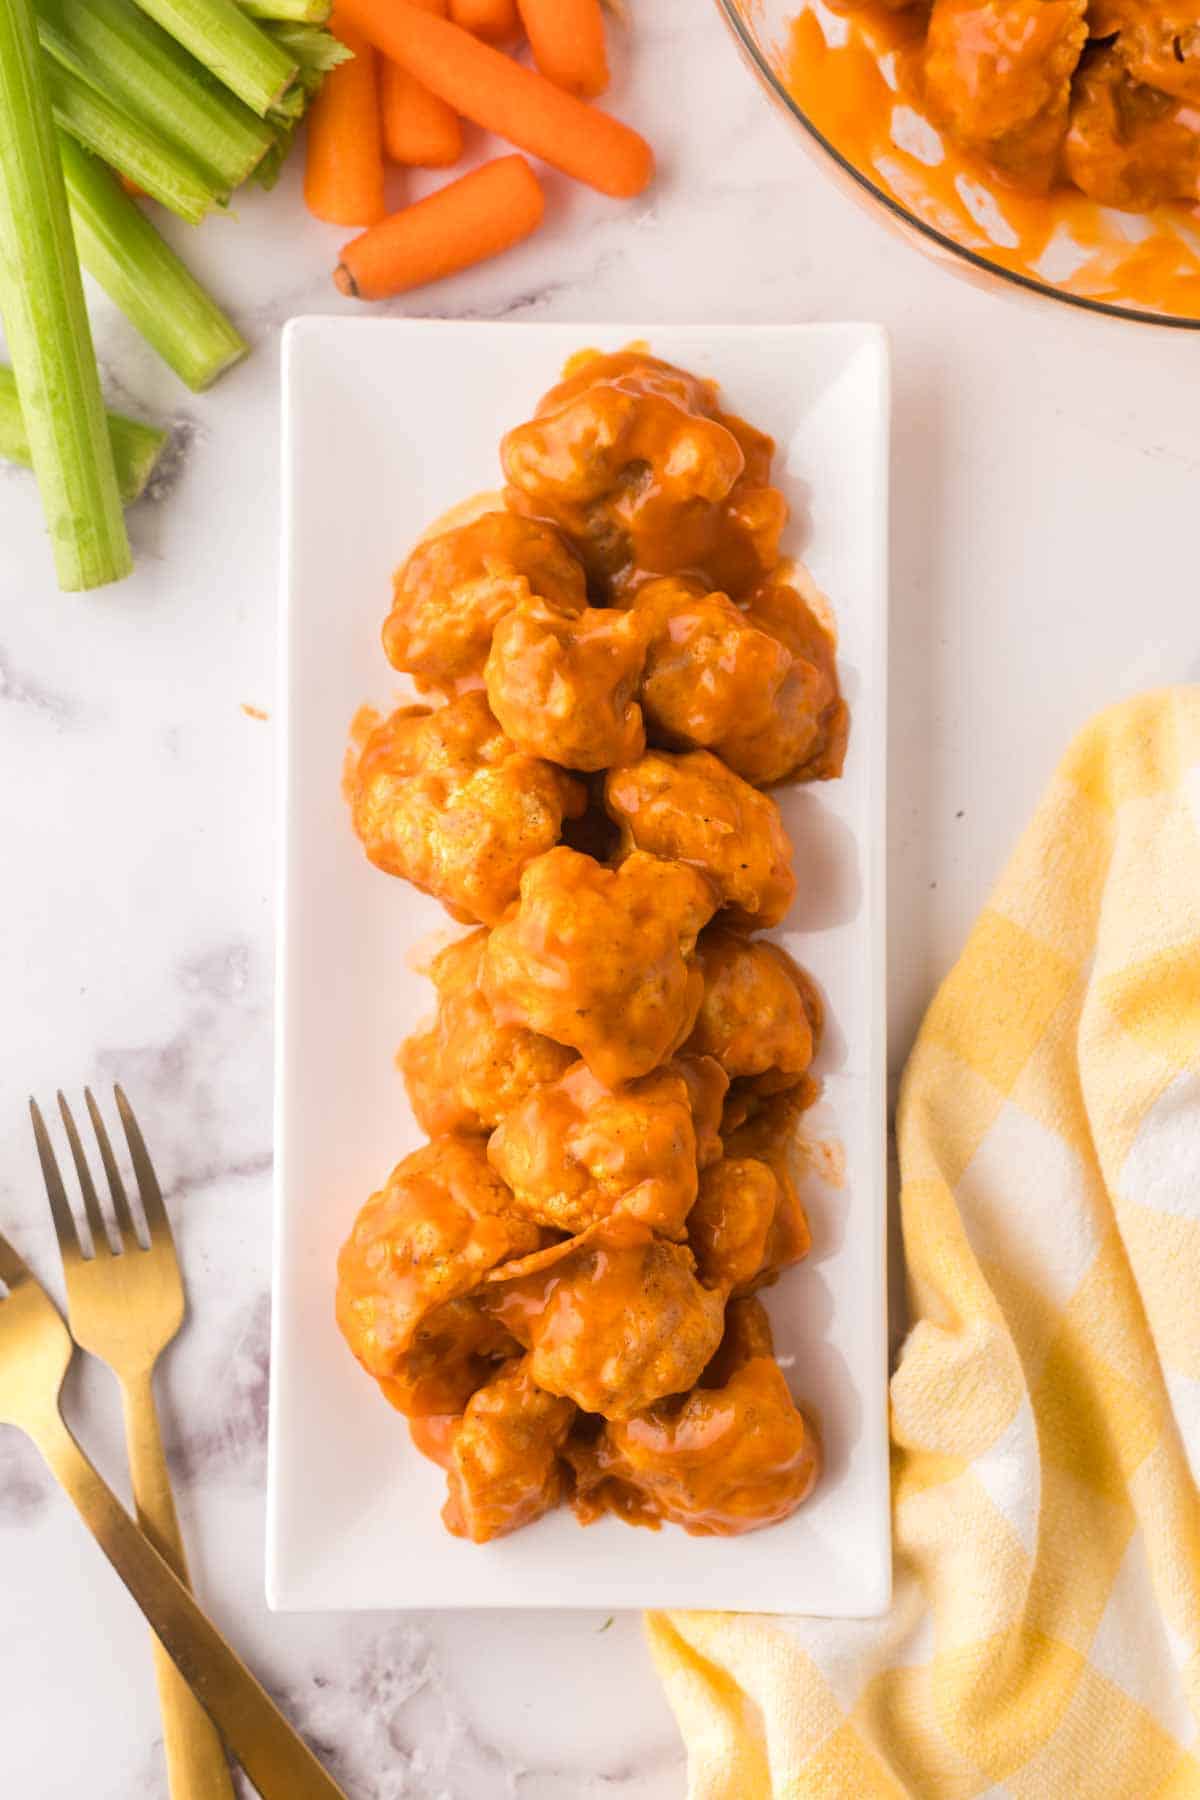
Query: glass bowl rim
point(731, 11)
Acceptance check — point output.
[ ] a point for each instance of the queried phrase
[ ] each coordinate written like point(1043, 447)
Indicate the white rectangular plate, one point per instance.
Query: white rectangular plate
point(387, 423)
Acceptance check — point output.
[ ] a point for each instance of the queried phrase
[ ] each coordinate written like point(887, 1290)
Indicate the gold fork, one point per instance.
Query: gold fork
point(126, 1308)
point(35, 1351)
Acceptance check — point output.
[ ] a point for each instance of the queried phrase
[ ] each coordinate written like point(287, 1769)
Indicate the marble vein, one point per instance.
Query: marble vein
point(38, 696)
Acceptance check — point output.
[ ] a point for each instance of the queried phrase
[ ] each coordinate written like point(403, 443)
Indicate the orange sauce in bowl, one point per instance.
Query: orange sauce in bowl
point(856, 81)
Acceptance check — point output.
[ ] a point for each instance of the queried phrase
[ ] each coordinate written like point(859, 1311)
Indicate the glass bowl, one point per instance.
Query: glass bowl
point(836, 75)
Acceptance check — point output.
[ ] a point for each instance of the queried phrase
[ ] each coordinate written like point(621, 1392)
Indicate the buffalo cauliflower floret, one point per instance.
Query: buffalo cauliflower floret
point(761, 1014)
point(602, 959)
point(635, 463)
point(1130, 145)
point(446, 801)
point(613, 1319)
point(504, 1469)
point(710, 671)
point(692, 809)
point(456, 587)
point(429, 1236)
point(728, 1458)
point(467, 1071)
point(564, 688)
point(577, 1151)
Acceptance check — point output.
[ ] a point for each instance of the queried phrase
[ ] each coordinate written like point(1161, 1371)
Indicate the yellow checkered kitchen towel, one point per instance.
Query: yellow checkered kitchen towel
point(1044, 1642)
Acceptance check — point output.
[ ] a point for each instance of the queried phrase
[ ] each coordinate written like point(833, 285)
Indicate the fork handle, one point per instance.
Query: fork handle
point(275, 1757)
point(197, 1768)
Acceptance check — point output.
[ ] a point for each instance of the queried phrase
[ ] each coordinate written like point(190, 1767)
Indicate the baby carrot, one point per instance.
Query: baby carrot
point(505, 97)
point(475, 217)
point(567, 40)
point(495, 20)
point(343, 173)
point(418, 128)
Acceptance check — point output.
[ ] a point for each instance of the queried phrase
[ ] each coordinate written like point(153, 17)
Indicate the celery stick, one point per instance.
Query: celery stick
point(315, 50)
point(140, 272)
point(136, 447)
point(46, 324)
point(271, 167)
point(131, 147)
point(113, 45)
point(298, 12)
point(231, 45)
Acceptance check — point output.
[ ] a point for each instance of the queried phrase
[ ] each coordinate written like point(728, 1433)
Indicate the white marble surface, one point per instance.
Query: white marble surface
point(1045, 476)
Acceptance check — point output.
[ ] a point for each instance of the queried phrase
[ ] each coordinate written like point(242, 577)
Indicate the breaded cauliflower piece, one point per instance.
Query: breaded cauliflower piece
point(455, 588)
point(727, 1458)
point(707, 1085)
point(730, 1225)
point(692, 809)
point(710, 670)
point(613, 1319)
point(578, 1151)
point(1157, 40)
point(804, 737)
point(454, 1350)
point(1130, 145)
point(761, 1015)
point(998, 75)
point(602, 959)
point(769, 1136)
point(635, 463)
point(565, 688)
point(468, 1071)
point(446, 801)
point(504, 1468)
point(429, 1236)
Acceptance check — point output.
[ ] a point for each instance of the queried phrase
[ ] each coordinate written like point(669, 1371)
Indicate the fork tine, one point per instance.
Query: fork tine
point(12, 1270)
point(101, 1242)
point(125, 1225)
point(60, 1206)
point(157, 1222)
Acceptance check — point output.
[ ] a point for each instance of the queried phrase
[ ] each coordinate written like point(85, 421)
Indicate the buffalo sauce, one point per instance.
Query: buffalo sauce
point(857, 82)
